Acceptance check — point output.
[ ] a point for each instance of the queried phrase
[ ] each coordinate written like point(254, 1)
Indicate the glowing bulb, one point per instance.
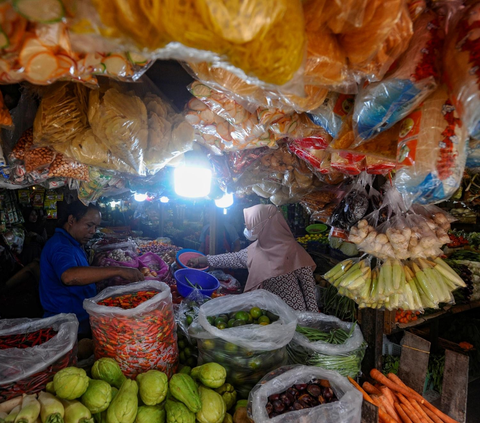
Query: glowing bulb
point(192, 182)
point(114, 203)
point(224, 202)
point(164, 199)
point(139, 197)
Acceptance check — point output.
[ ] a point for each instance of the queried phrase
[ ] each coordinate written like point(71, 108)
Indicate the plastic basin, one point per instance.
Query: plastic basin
point(183, 256)
point(317, 228)
point(208, 282)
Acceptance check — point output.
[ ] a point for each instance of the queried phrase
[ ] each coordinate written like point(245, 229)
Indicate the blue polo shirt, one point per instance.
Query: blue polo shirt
point(61, 252)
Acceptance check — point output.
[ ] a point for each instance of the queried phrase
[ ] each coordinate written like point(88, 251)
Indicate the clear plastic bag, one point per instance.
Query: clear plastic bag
point(119, 258)
point(19, 366)
point(432, 151)
point(247, 352)
point(303, 351)
point(347, 410)
point(380, 105)
point(68, 168)
point(128, 342)
point(331, 113)
point(321, 203)
point(38, 158)
point(155, 264)
point(5, 117)
point(460, 63)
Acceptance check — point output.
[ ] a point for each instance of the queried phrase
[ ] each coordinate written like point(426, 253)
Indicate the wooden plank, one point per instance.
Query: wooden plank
point(369, 413)
point(372, 329)
point(389, 321)
point(455, 386)
point(414, 361)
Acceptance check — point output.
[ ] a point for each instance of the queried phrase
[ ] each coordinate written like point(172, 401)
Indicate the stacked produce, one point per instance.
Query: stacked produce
point(327, 342)
point(467, 265)
point(167, 252)
point(409, 284)
point(407, 316)
point(397, 402)
point(314, 241)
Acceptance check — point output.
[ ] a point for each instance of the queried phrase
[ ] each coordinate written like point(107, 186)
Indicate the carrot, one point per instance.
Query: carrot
point(389, 394)
point(375, 374)
point(371, 389)
point(377, 401)
point(411, 412)
point(389, 408)
point(383, 415)
point(443, 416)
point(420, 411)
point(402, 413)
point(431, 414)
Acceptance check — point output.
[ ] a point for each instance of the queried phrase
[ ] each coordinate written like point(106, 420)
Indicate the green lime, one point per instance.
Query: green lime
point(208, 344)
point(182, 357)
point(232, 315)
point(255, 363)
point(250, 318)
point(189, 320)
point(255, 312)
point(188, 352)
point(272, 317)
point(230, 347)
point(211, 320)
point(237, 323)
point(221, 325)
point(241, 315)
point(181, 344)
point(192, 362)
point(264, 312)
point(264, 323)
point(230, 323)
point(223, 317)
point(218, 320)
point(263, 319)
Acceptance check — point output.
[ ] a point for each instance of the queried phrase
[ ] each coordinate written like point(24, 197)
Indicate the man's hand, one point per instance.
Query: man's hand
point(198, 262)
point(130, 274)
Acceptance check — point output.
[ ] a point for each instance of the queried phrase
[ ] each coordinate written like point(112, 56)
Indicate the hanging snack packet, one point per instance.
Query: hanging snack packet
point(68, 168)
point(433, 144)
point(380, 104)
point(38, 158)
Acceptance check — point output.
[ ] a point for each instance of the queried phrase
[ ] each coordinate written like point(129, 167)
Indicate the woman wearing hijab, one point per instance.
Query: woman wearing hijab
point(275, 261)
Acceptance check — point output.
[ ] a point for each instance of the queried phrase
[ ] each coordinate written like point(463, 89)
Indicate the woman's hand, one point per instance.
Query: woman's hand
point(130, 274)
point(198, 262)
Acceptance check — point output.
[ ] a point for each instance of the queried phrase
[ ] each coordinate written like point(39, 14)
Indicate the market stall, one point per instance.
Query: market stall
point(245, 211)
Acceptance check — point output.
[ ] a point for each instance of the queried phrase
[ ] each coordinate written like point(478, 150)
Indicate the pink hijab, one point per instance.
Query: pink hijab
point(276, 252)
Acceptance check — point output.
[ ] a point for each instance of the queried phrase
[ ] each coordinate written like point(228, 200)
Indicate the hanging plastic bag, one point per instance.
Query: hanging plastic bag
point(344, 358)
point(62, 166)
point(24, 144)
point(247, 352)
point(135, 325)
point(38, 158)
point(460, 63)
point(5, 118)
point(433, 150)
point(331, 113)
point(27, 368)
point(379, 105)
point(348, 408)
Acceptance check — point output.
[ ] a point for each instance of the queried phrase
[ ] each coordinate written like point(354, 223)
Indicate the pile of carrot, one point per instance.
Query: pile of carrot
point(397, 403)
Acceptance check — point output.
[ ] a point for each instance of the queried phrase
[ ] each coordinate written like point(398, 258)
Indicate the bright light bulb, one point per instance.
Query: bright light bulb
point(192, 182)
point(164, 199)
point(224, 202)
point(114, 203)
point(140, 197)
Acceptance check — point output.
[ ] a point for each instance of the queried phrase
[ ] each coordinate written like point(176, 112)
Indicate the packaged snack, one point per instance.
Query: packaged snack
point(5, 118)
point(38, 158)
point(68, 168)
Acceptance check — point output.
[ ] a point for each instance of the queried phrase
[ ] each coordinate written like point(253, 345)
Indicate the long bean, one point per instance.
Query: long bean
point(334, 336)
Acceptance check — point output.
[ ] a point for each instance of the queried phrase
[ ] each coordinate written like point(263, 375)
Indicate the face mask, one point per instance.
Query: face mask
point(248, 234)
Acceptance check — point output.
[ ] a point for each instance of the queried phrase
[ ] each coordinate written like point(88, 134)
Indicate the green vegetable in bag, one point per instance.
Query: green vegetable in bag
point(76, 412)
point(228, 393)
point(213, 406)
point(178, 413)
point(107, 369)
point(70, 383)
point(52, 410)
point(124, 406)
point(212, 375)
point(184, 389)
point(153, 387)
point(97, 396)
point(150, 414)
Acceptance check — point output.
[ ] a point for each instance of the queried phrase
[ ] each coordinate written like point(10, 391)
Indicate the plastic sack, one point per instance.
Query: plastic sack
point(158, 269)
point(460, 62)
point(379, 105)
point(347, 410)
point(29, 369)
point(140, 338)
point(432, 150)
point(247, 352)
point(303, 351)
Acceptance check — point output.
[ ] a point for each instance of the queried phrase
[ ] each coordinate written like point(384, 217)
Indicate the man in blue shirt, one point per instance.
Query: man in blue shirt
point(66, 279)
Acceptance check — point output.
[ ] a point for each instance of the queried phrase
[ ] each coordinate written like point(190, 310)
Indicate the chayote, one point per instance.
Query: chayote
point(228, 393)
point(107, 369)
point(213, 406)
point(228, 418)
point(98, 396)
point(123, 408)
point(178, 413)
point(153, 387)
point(212, 375)
point(70, 383)
point(150, 414)
point(184, 389)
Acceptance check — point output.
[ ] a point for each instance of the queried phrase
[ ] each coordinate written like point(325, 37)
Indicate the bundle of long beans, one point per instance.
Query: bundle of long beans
point(334, 336)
